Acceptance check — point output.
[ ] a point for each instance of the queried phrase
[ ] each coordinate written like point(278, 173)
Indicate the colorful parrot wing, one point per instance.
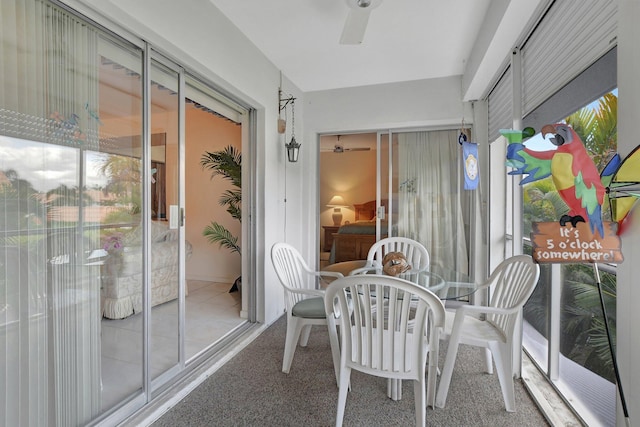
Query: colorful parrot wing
point(610, 169)
point(586, 192)
point(524, 163)
point(624, 186)
point(607, 175)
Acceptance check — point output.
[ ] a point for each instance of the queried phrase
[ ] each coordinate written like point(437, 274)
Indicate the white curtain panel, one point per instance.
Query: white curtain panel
point(429, 195)
point(49, 295)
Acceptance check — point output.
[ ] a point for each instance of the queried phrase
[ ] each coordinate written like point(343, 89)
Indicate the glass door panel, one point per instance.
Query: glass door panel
point(425, 195)
point(116, 171)
point(213, 229)
point(164, 279)
point(384, 193)
point(69, 193)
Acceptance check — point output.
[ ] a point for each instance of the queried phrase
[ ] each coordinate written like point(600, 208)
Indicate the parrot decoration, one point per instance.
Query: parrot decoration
point(584, 191)
point(621, 179)
point(572, 170)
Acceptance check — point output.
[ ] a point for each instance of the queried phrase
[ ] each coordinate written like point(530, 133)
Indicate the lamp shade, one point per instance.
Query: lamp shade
point(336, 202)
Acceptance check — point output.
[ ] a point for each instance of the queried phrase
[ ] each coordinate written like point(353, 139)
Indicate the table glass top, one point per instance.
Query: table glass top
point(444, 282)
point(448, 285)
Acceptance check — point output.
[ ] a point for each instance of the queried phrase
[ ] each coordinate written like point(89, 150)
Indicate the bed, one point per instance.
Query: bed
point(352, 241)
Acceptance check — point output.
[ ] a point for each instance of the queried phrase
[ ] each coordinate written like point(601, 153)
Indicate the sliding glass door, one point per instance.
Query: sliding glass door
point(70, 105)
point(404, 183)
point(420, 175)
point(92, 232)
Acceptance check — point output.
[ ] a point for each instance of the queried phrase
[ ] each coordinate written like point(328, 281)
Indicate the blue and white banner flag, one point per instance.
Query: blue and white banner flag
point(470, 165)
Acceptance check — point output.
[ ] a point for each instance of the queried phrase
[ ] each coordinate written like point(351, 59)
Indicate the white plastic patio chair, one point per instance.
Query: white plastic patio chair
point(416, 254)
point(394, 343)
point(492, 327)
point(303, 300)
point(417, 257)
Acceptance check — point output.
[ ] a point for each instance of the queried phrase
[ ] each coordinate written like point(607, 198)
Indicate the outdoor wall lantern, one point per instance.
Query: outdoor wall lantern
point(293, 147)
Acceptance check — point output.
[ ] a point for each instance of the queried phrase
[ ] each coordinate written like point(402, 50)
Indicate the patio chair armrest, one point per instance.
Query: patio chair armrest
point(310, 292)
point(335, 274)
point(465, 310)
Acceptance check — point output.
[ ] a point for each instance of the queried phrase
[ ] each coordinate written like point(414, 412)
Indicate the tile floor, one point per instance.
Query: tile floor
point(211, 313)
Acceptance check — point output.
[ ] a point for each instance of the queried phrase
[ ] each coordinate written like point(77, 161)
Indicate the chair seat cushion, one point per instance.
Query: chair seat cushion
point(310, 308)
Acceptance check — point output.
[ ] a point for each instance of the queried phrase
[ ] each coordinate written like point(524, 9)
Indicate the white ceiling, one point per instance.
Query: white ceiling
point(405, 39)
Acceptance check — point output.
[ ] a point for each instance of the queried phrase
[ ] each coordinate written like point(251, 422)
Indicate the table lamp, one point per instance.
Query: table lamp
point(336, 203)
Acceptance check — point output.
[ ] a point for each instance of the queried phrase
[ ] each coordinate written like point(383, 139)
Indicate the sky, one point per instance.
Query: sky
point(47, 166)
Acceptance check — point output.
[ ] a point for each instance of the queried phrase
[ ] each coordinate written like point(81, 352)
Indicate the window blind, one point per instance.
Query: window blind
point(500, 104)
point(570, 37)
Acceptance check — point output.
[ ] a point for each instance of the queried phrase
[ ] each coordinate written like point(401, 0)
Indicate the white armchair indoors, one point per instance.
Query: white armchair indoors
point(121, 292)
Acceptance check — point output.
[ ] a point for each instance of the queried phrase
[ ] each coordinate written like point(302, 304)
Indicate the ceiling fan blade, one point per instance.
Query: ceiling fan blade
point(358, 149)
point(355, 26)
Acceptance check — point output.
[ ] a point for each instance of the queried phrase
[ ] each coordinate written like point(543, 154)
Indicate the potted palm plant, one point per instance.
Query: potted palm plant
point(228, 164)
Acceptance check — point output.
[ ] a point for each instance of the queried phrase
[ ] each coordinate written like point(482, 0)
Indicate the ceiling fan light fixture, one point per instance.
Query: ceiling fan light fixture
point(363, 4)
point(357, 20)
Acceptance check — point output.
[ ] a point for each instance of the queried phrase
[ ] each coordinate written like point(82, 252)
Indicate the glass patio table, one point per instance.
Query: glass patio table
point(446, 283)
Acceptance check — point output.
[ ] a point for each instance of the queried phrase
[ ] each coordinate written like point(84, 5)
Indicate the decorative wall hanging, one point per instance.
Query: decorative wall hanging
point(470, 164)
point(581, 235)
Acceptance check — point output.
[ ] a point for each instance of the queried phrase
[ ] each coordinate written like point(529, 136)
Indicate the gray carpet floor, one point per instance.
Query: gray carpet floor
point(251, 390)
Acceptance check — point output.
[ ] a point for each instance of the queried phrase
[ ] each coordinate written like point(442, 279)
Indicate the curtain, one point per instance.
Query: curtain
point(49, 291)
point(429, 196)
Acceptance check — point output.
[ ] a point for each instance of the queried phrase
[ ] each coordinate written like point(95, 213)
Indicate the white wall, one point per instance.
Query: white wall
point(433, 102)
point(628, 315)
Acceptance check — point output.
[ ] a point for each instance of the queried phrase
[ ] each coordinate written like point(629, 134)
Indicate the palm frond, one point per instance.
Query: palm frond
point(216, 233)
point(227, 163)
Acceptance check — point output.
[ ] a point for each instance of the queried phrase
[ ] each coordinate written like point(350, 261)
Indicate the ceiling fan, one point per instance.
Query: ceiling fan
point(340, 148)
point(357, 19)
